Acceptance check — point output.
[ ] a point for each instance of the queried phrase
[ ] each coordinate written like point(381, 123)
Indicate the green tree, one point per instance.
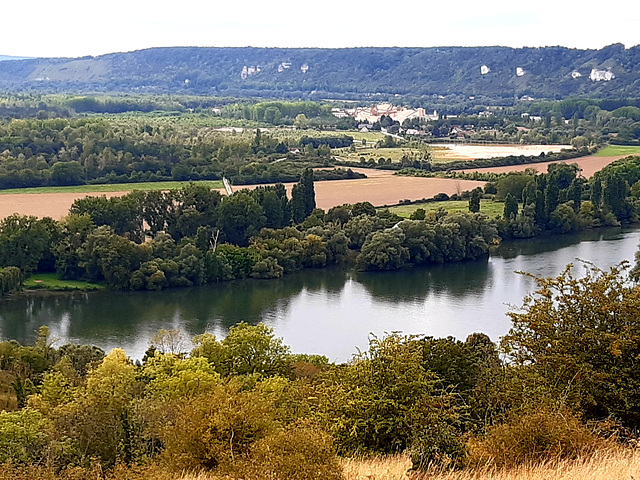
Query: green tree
point(26, 241)
point(67, 173)
point(580, 334)
point(510, 207)
point(385, 401)
point(474, 200)
point(246, 350)
point(301, 121)
point(596, 192)
point(384, 250)
point(240, 217)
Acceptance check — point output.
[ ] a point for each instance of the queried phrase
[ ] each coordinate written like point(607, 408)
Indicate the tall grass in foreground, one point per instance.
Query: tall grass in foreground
point(621, 464)
point(606, 465)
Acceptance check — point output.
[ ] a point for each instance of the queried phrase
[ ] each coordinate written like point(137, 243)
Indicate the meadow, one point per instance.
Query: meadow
point(490, 208)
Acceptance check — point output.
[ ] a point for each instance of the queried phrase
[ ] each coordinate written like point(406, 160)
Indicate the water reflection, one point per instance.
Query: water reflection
point(328, 311)
point(413, 284)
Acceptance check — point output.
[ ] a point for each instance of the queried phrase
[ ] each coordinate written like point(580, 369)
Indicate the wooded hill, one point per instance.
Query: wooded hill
point(503, 72)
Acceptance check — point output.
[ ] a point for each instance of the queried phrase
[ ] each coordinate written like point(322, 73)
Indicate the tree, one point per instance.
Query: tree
point(67, 173)
point(246, 350)
point(301, 121)
point(309, 191)
point(615, 194)
point(596, 192)
point(474, 200)
point(510, 207)
point(240, 218)
point(582, 335)
point(383, 251)
point(26, 241)
point(385, 401)
point(297, 203)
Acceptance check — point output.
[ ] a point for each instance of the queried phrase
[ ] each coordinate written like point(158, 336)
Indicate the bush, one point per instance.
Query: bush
point(542, 434)
point(216, 430)
point(300, 452)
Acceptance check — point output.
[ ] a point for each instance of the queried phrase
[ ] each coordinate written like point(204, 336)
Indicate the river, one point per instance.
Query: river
point(329, 312)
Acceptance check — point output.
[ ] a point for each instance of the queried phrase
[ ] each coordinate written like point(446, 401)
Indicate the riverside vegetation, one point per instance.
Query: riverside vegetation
point(246, 407)
point(155, 239)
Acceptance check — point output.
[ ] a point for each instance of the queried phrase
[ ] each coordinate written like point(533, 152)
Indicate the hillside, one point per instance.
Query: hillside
point(550, 72)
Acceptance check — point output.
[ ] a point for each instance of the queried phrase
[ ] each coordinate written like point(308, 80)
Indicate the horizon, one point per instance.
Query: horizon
point(66, 29)
point(23, 57)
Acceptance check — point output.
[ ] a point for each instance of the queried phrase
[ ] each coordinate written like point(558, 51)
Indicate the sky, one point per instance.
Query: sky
point(74, 28)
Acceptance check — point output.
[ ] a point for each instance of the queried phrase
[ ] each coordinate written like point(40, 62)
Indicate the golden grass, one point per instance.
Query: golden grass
point(622, 464)
point(376, 468)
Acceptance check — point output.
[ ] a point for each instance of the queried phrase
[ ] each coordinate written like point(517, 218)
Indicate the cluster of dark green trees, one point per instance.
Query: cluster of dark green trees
point(245, 406)
point(561, 201)
point(76, 151)
point(192, 236)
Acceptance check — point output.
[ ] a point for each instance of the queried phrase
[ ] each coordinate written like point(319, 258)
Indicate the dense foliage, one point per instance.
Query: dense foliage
point(77, 151)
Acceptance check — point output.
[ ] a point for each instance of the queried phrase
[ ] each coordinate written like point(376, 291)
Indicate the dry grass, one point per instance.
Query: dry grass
point(622, 464)
point(376, 468)
point(613, 465)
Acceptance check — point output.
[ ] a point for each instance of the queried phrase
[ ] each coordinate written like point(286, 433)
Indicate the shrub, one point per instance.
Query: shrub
point(542, 434)
point(302, 451)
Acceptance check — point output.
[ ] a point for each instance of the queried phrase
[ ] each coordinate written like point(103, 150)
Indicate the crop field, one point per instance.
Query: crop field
point(441, 153)
point(458, 151)
point(588, 165)
point(487, 207)
point(614, 150)
point(380, 188)
point(113, 187)
point(369, 153)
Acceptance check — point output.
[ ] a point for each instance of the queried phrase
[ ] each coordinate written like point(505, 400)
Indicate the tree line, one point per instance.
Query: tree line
point(56, 152)
point(561, 201)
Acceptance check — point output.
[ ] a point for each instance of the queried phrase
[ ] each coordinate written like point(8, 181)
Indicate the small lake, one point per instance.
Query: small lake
point(329, 312)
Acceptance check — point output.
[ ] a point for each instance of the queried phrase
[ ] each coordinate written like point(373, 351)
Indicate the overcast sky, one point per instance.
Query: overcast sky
point(73, 28)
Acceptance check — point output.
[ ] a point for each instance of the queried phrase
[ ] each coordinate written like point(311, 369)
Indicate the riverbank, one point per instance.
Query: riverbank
point(52, 282)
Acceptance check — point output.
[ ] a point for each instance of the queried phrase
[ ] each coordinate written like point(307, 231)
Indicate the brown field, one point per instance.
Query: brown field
point(380, 188)
point(589, 165)
point(472, 152)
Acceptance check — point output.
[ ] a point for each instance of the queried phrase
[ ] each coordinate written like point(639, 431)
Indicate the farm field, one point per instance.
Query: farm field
point(451, 152)
point(487, 207)
point(110, 188)
point(613, 150)
point(381, 188)
point(444, 153)
point(589, 165)
point(370, 153)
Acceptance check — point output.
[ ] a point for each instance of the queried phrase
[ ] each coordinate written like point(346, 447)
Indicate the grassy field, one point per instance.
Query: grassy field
point(52, 281)
point(395, 154)
point(370, 137)
point(614, 150)
point(487, 207)
point(117, 187)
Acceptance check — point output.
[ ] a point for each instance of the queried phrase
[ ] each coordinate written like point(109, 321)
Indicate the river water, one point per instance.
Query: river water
point(330, 312)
